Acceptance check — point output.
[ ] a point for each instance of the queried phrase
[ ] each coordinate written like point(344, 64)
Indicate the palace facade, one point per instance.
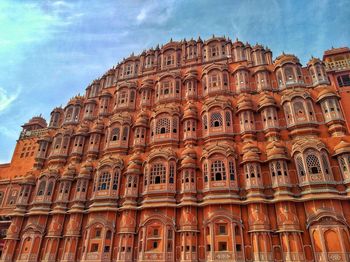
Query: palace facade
point(193, 151)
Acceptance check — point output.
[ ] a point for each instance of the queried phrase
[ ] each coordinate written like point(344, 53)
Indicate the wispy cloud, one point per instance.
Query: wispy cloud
point(6, 98)
point(155, 12)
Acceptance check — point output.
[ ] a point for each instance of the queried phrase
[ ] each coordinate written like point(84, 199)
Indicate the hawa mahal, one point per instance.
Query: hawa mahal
point(192, 151)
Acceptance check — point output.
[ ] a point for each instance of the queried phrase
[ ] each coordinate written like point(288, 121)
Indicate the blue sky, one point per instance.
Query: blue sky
point(51, 50)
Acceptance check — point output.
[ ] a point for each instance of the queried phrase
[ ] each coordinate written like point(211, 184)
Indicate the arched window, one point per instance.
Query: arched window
point(289, 75)
point(300, 165)
point(41, 188)
point(115, 134)
point(50, 188)
point(325, 164)
point(158, 174)
point(205, 122)
point(313, 164)
point(299, 111)
point(205, 172)
point(163, 126)
point(216, 119)
point(218, 171)
point(125, 133)
point(231, 166)
point(171, 174)
point(228, 118)
point(115, 180)
point(104, 181)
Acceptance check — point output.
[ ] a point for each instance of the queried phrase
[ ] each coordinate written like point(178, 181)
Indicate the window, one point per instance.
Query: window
point(155, 244)
point(205, 172)
point(222, 246)
point(343, 80)
point(41, 188)
point(213, 50)
point(222, 230)
point(313, 164)
point(115, 134)
point(218, 171)
point(97, 233)
point(94, 248)
point(205, 122)
point(171, 174)
point(106, 249)
point(300, 166)
point(163, 126)
point(50, 188)
point(216, 119)
point(104, 181)
point(108, 234)
point(232, 170)
point(115, 181)
point(158, 173)
point(214, 80)
point(155, 232)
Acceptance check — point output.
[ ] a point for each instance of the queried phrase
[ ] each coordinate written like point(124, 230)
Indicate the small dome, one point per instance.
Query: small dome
point(314, 61)
point(266, 100)
point(98, 126)
point(142, 119)
point(190, 111)
point(77, 100)
point(69, 172)
point(83, 129)
point(244, 103)
point(134, 164)
point(86, 169)
point(189, 151)
point(326, 92)
point(276, 150)
point(188, 162)
point(342, 147)
point(286, 58)
point(251, 156)
point(237, 43)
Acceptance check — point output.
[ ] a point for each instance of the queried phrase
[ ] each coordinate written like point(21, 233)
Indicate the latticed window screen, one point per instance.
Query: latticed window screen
point(218, 171)
point(213, 80)
point(205, 172)
point(342, 163)
point(205, 122)
point(272, 169)
point(300, 166)
point(41, 188)
point(278, 168)
point(158, 174)
point(123, 98)
point(116, 180)
point(115, 134)
point(231, 166)
point(163, 126)
point(299, 111)
point(251, 171)
point(325, 163)
point(228, 118)
point(174, 125)
point(132, 96)
point(171, 174)
point(104, 181)
point(313, 164)
point(125, 133)
point(216, 119)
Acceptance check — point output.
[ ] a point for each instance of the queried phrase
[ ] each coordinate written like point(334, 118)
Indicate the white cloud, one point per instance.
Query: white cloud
point(155, 12)
point(7, 99)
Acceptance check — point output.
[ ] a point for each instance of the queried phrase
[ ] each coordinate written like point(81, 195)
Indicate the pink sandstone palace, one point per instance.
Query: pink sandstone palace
point(193, 151)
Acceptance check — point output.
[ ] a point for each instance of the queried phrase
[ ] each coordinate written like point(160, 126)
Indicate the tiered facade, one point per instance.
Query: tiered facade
point(195, 151)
